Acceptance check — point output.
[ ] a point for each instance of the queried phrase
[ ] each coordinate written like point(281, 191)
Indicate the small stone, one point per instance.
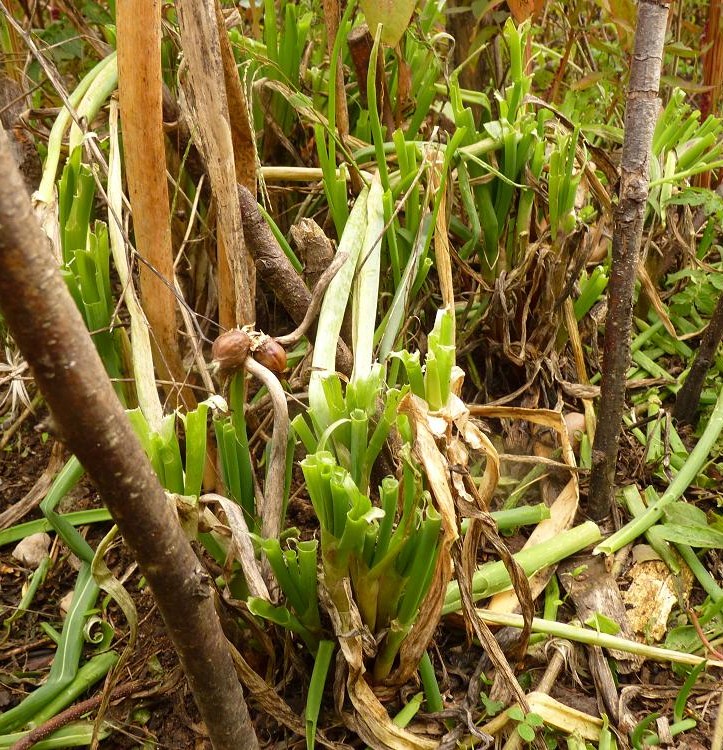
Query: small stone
point(32, 550)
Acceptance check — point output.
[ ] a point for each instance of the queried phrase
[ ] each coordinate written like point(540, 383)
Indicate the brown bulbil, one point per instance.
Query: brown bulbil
point(230, 350)
point(269, 353)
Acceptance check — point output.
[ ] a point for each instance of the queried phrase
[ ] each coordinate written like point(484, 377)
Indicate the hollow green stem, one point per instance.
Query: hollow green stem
point(358, 447)
point(491, 578)
point(591, 637)
point(525, 515)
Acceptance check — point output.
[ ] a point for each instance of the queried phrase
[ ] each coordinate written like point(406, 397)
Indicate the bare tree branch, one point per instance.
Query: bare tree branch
point(50, 333)
point(641, 115)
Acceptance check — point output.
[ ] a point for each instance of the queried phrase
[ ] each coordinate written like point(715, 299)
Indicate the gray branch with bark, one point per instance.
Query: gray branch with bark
point(641, 114)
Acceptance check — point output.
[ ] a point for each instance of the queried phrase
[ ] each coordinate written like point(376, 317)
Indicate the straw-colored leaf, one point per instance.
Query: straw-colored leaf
point(543, 417)
point(441, 231)
point(436, 471)
point(476, 440)
point(562, 511)
point(652, 294)
point(394, 15)
point(241, 547)
point(565, 718)
point(555, 714)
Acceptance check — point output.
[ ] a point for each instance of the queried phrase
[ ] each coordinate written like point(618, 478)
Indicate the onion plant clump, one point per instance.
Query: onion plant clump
point(385, 542)
point(379, 537)
point(389, 564)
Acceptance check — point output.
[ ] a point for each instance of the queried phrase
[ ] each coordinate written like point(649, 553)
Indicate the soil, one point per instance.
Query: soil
point(167, 718)
point(161, 712)
point(21, 463)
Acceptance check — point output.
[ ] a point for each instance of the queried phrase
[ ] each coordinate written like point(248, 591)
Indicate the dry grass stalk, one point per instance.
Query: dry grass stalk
point(140, 86)
point(205, 89)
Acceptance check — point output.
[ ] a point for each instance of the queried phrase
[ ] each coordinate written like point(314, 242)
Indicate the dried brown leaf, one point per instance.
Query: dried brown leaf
point(562, 510)
point(241, 548)
point(437, 472)
point(652, 294)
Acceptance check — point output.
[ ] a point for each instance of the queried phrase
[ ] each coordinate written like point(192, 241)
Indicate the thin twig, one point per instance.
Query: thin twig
point(709, 647)
point(317, 297)
point(72, 714)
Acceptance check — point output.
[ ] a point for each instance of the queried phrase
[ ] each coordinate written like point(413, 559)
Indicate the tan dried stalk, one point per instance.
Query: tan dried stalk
point(242, 132)
point(140, 86)
point(205, 90)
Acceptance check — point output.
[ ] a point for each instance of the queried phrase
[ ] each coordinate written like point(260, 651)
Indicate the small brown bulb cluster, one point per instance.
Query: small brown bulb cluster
point(231, 349)
point(269, 353)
